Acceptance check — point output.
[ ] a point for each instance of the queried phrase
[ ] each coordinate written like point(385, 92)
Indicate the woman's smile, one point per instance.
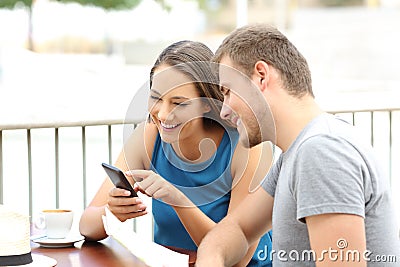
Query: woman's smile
point(169, 127)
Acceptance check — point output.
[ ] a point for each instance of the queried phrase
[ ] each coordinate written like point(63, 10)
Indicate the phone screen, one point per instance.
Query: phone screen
point(118, 178)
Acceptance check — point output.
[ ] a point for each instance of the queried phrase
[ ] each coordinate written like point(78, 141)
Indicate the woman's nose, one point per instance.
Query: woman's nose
point(164, 112)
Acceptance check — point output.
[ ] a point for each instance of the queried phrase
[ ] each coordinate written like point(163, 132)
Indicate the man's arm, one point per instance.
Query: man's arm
point(228, 241)
point(337, 239)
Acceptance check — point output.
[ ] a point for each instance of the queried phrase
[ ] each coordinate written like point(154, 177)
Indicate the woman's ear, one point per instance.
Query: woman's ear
point(206, 107)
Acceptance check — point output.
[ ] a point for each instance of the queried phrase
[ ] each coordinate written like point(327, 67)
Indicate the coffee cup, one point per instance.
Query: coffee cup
point(56, 222)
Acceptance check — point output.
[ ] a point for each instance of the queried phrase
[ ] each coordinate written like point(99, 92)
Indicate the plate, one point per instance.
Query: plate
point(69, 241)
point(41, 261)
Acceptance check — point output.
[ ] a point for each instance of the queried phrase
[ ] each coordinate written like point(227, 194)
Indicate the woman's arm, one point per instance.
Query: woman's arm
point(245, 178)
point(248, 177)
point(228, 242)
point(196, 223)
point(91, 224)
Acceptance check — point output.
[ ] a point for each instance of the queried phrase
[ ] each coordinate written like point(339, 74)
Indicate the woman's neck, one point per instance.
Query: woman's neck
point(202, 146)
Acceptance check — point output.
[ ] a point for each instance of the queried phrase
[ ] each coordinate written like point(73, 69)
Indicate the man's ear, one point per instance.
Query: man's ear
point(261, 74)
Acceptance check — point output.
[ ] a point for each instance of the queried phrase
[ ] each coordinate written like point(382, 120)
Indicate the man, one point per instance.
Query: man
point(326, 197)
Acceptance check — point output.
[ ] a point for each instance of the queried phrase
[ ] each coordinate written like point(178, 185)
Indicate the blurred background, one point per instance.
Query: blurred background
point(52, 51)
point(72, 61)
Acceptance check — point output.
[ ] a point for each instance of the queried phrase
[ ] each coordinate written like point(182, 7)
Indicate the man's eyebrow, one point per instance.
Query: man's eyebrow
point(224, 84)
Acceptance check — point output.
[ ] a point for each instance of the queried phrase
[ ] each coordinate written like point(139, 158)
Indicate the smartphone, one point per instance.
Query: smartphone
point(118, 178)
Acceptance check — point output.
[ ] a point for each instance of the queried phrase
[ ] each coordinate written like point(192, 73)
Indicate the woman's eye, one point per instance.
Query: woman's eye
point(181, 104)
point(155, 98)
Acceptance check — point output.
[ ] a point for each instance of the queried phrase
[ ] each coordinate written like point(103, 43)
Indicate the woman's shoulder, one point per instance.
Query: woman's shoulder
point(262, 151)
point(150, 129)
point(140, 145)
point(150, 134)
point(145, 131)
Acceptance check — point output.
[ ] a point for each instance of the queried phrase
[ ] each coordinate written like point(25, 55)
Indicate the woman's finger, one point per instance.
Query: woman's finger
point(139, 175)
point(118, 192)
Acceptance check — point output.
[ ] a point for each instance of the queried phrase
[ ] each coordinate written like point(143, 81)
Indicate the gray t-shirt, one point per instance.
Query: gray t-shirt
point(328, 170)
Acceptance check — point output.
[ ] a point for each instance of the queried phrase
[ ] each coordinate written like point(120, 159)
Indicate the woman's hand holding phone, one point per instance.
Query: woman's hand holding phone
point(123, 201)
point(124, 207)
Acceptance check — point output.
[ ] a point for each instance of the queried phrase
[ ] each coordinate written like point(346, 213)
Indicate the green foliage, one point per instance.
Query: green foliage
point(10, 4)
point(106, 4)
point(334, 3)
point(208, 5)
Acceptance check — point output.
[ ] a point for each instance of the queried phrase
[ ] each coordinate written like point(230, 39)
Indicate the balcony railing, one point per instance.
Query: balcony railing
point(53, 165)
point(45, 165)
point(29, 129)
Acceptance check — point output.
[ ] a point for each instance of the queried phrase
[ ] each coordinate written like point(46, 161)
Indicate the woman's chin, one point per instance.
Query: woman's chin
point(168, 137)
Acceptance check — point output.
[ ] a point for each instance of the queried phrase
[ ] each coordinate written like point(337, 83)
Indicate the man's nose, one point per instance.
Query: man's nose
point(226, 111)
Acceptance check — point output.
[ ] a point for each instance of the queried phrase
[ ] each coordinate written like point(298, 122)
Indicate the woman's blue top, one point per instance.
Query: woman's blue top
point(207, 184)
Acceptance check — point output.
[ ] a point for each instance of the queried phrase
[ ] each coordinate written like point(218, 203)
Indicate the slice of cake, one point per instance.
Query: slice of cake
point(15, 246)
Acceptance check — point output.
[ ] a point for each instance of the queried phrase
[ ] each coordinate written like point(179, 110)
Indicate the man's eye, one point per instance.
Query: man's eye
point(224, 90)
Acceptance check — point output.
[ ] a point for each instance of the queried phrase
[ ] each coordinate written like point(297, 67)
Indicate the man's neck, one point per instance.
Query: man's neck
point(293, 117)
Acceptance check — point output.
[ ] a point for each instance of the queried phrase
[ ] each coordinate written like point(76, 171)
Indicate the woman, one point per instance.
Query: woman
point(184, 157)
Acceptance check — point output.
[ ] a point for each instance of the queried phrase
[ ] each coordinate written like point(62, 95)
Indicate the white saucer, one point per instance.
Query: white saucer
point(41, 261)
point(58, 242)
